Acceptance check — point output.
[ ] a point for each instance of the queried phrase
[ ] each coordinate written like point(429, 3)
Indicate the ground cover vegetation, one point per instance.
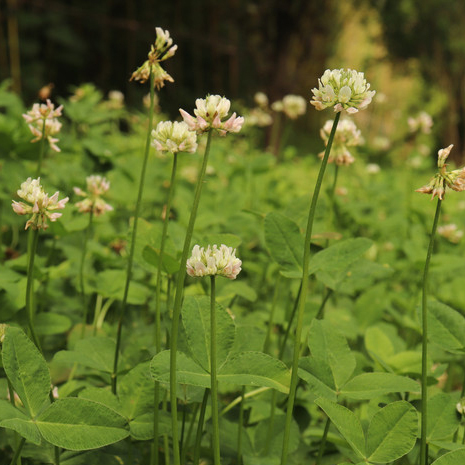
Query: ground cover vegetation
point(174, 292)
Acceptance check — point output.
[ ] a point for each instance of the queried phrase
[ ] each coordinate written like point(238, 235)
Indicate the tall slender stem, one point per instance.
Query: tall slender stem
point(240, 427)
point(32, 247)
point(178, 301)
point(266, 344)
point(303, 294)
point(18, 452)
point(114, 375)
point(289, 324)
point(213, 369)
point(424, 341)
point(81, 272)
point(198, 437)
point(321, 449)
point(154, 451)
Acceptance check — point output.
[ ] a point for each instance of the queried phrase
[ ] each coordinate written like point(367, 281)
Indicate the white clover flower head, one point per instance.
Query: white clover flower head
point(372, 168)
point(161, 50)
point(343, 89)
point(455, 179)
point(174, 137)
point(42, 206)
point(213, 261)
point(347, 135)
point(421, 123)
point(259, 117)
point(294, 106)
point(261, 99)
point(460, 406)
point(43, 123)
point(96, 187)
point(451, 232)
point(210, 114)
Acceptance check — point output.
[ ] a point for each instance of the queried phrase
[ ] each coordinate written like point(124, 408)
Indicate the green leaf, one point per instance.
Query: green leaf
point(80, 424)
point(274, 434)
point(455, 457)
point(246, 368)
point(231, 240)
point(347, 424)
point(331, 346)
point(27, 370)
point(446, 327)
point(48, 324)
point(136, 391)
point(392, 432)
point(14, 419)
point(187, 371)
point(93, 352)
point(377, 342)
point(284, 242)
point(317, 374)
point(442, 418)
point(141, 428)
point(102, 396)
point(339, 256)
point(256, 369)
point(196, 322)
point(152, 256)
point(371, 385)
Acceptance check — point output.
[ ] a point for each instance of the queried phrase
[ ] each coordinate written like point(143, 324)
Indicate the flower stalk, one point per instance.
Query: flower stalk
point(178, 301)
point(424, 341)
point(303, 294)
point(114, 374)
point(32, 247)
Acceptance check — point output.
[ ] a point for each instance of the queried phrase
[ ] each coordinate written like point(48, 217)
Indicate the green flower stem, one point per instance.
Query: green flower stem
point(323, 442)
point(81, 272)
point(166, 439)
point(189, 433)
point(41, 151)
point(303, 294)
point(238, 399)
point(154, 451)
point(332, 193)
point(32, 247)
point(424, 341)
point(198, 437)
point(114, 375)
point(321, 311)
point(178, 301)
point(269, 433)
point(213, 370)
point(289, 325)
point(17, 455)
point(266, 344)
point(240, 427)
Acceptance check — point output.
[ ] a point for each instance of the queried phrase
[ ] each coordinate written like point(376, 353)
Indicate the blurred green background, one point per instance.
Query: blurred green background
point(412, 52)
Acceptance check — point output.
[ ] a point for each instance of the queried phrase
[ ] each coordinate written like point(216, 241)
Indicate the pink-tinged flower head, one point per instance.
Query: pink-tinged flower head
point(93, 202)
point(347, 135)
point(213, 261)
point(174, 137)
point(344, 89)
point(43, 123)
point(454, 179)
point(40, 205)
point(210, 114)
point(161, 50)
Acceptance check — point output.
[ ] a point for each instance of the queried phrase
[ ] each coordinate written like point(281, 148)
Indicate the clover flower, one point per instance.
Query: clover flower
point(347, 135)
point(451, 233)
point(213, 261)
point(261, 99)
point(93, 202)
point(161, 50)
point(455, 179)
point(43, 123)
point(42, 207)
point(210, 113)
point(174, 137)
point(292, 106)
point(422, 123)
point(343, 89)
